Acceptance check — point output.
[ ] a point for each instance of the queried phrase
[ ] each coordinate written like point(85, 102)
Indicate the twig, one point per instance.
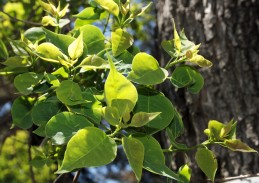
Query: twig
point(237, 177)
point(19, 20)
point(58, 177)
point(76, 176)
point(30, 158)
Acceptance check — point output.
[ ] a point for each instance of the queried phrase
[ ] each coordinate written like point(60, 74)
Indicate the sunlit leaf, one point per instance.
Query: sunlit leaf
point(89, 13)
point(121, 40)
point(185, 173)
point(142, 118)
point(238, 145)
point(49, 52)
point(95, 149)
point(76, 48)
point(109, 5)
point(146, 70)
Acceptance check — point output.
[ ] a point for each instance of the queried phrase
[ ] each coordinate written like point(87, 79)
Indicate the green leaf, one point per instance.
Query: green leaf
point(168, 46)
point(118, 88)
point(52, 79)
point(13, 70)
point(238, 145)
point(186, 44)
point(146, 70)
point(109, 5)
point(70, 93)
point(89, 147)
point(207, 162)
point(185, 173)
point(225, 132)
point(93, 38)
point(42, 112)
point(21, 113)
point(154, 160)
point(186, 76)
point(61, 72)
point(176, 126)
point(34, 34)
point(142, 118)
point(17, 61)
point(121, 40)
point(181, 77)
point(76, 48)
point(25, 82)
point(151, 101)
point(3, 51)
point(89, 13)
point(198, 81)
point(127, 55)
point(61, 41)
point(91, 109)
point(94, 62)
point(134, 151)
point(61, 127)
point(49, 52)
point(111, 115)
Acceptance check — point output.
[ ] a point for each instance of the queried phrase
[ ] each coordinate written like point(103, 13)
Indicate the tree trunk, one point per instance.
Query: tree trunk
point(228, 31)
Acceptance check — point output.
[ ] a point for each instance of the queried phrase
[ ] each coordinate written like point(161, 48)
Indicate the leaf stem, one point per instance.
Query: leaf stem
point(106, 23)
point(115, 131)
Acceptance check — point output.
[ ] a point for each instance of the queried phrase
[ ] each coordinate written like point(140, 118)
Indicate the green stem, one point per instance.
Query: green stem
point(115, 132)
point(106, 23)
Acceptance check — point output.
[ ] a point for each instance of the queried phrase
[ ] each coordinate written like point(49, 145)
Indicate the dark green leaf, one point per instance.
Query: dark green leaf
point(134, 151)
point(17, 61)
point(61, 127)
point(21, 113)
point(24, 83)
point(70, 93)
point(34, 34)
point(3, 51)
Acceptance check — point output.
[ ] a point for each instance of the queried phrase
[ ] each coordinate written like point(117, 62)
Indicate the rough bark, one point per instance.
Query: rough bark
point(228, 31)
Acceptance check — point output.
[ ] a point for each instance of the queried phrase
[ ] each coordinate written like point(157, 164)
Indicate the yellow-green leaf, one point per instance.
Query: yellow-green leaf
point(207, 162)
point(76, 48)
point(185, 173)
point(49, 52)
point(118, 87)
point(109, 5)
point(177, 40)
point(201, 61)
point(142, 118)
point(94, 62)
point(121, 40)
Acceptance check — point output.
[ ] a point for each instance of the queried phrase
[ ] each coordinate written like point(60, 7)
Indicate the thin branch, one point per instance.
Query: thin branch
point(19, 20)
point(30, 158)
point(237, 177)
point(58, 177)
point(76, 176)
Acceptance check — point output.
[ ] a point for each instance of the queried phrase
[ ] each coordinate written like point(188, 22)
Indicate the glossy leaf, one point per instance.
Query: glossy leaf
point(118, 88)
point(154, 160)
point(52, 79)
point(69, 93)
point(142, 118)
point(109, 5)
point(121, 40)
point(25, 82)
point(238, 145)
point(61, 127)
point(34, 34)
point(95, 149)
point(134, 151)
point(21, 113)
point(151, 101)
point(185, 173)
point(201, 61)
point(168, 46)
point(146, 70)
point(207, 162)
point(76, 48)
point(61, 72)
point(111, 115)
point(93, 38)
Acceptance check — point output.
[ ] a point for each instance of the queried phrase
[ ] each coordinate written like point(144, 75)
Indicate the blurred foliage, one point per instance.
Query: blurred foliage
point(14, 166)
